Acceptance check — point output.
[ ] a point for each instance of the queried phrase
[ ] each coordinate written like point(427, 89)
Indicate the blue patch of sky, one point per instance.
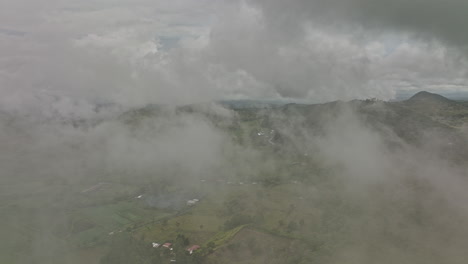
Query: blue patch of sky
point(169, 42)
point(392, 42)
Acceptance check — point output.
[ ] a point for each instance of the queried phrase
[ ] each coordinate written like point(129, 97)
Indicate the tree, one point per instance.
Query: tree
point(292, 226)
point(182, 240)
point(301, 222)
point(281, 223)
point(211, 245)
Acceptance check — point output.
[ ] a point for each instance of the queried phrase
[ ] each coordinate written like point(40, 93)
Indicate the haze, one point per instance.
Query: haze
point(246, 131)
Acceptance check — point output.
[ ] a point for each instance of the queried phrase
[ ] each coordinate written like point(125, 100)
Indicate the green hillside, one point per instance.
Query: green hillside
point(291, 183)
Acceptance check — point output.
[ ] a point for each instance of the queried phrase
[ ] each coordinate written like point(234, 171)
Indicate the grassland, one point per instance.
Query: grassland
point(292, 208)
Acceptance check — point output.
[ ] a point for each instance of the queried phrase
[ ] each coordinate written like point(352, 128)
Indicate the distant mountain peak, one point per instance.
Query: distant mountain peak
point(428, 97)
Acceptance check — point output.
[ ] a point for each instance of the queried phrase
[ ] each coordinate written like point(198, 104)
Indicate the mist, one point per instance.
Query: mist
point(260, 131)
point(394, 200)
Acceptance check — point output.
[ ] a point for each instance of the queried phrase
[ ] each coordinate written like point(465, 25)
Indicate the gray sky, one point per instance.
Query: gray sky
point(135, 52)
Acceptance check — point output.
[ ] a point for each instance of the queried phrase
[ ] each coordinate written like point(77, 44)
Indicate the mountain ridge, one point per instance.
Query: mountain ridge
point(429, 97)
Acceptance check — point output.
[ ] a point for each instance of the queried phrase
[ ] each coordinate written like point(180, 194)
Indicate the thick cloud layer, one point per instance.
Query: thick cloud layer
point(63, 62)
point(139, 52)
point(341, 49)
point(442, 19)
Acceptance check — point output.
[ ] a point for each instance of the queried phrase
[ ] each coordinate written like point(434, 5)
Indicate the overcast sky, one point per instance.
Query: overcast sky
point(135, 52)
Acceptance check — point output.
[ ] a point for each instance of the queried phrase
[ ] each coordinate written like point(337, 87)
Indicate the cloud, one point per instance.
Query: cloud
point(316, 49)
point(445, 20)
point(95, 50)
point(61, 59)
point(177, 52)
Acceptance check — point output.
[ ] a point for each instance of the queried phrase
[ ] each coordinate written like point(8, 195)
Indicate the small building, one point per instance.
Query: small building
point(193, 248)
point(156, 245)
point(192, 202)
point(167, 245)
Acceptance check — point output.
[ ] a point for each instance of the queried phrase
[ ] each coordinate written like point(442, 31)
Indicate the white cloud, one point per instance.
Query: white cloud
point(138, 52)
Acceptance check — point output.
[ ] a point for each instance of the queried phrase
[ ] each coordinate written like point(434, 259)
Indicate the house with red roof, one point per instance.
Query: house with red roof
point(193, 248)
point(167, 245)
